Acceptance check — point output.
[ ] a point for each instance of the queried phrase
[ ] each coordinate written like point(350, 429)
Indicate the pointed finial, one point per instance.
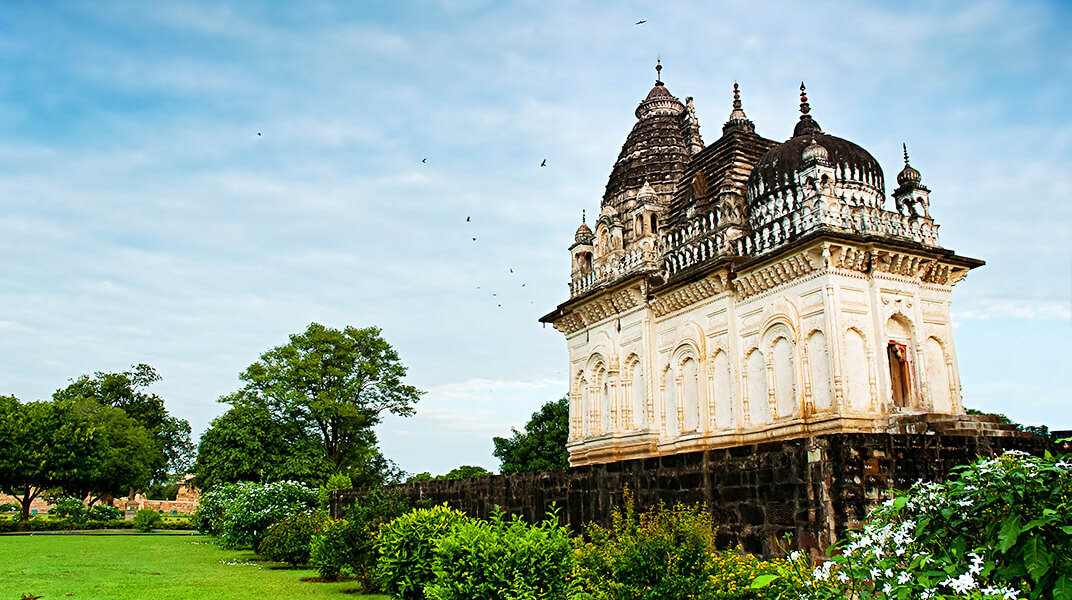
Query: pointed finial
point(658, 69)
point(582, 216)
point(905, 147)
point(805, 108)
point(736, 97)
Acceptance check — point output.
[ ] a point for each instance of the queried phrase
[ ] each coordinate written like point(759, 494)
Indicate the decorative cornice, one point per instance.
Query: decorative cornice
point(599, 308)
point(787, 270)
point(711, 286)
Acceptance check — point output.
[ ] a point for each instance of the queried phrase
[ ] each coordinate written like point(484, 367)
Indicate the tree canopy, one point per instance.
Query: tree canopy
point(542, 446)
point(307, 410)
point(172, 448)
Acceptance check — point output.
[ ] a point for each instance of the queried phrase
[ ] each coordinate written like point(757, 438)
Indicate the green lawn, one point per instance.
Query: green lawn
point(150, 567)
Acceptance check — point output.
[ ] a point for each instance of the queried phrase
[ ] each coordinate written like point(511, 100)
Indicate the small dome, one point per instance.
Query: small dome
point(646, 192)
point(908, 175)
point(584, 235)
point(815, 153)
point(776, 172)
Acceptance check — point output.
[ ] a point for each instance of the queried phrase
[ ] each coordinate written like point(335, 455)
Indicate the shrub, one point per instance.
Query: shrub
point(1001, 528)
point(660, 553)
point(289, 539)
point(338, 481)
point(334, 548)
point(255, 506)
point(9, 507)
point(103, 512)
point(208, 518)
point(146, 519)
point(503, 559)
point(69, 508)
point(406, 548)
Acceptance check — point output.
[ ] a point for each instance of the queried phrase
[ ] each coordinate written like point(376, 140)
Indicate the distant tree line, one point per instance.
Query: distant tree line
point(101, 436)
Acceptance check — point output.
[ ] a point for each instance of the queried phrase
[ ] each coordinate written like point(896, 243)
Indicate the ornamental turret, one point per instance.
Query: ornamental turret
point(911, 197)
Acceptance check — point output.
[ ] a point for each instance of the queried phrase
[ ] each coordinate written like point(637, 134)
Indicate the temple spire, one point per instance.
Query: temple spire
point(806, 125)
point(737, 120)
point(658, 70)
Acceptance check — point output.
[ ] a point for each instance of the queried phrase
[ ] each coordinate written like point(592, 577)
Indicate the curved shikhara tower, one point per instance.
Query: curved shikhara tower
point(750, 290)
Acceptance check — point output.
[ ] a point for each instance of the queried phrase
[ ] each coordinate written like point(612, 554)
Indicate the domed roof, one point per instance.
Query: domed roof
point(584, 235)
point(656, 149)
point(778, 168)
point(908, 175)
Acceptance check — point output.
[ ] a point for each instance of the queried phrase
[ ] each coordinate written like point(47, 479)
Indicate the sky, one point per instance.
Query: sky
point(185, 184)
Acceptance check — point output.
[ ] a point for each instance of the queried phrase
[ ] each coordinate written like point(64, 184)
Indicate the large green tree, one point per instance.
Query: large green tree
point(247, 444)
point(43, 445)
point(542, 446)
point(123, 454)
point(172, 448)
point(314, 402)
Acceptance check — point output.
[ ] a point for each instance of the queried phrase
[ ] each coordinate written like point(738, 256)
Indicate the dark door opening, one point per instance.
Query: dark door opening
point(900, 380)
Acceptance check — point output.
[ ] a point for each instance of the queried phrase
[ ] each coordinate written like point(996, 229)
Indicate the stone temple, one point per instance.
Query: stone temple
point(750, 290)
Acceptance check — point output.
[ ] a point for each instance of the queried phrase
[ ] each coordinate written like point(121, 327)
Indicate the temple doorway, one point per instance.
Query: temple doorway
point(900, 378)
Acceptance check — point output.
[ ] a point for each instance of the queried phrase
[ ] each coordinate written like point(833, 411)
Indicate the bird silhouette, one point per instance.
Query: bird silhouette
point(424, 160)
point(641, 22)
point(544, 163)
point(474, 239)
point(466, 219)
point(258, 133)
point(511, 270)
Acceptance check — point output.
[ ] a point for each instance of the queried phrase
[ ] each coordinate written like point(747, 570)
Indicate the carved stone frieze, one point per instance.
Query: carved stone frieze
point(689, 294)
point(597, 309)
point(784, 271)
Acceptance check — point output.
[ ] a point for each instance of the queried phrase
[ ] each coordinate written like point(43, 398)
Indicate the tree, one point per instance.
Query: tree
point(247, 444)
point(42, 445)
point(170, 436)
point(542, 446)
point(333, 385)
point(462, 472)
point(123, 454)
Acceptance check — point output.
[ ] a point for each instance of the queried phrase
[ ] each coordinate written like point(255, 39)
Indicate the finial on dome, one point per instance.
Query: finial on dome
point(806, 124)
point(738, 120)
point(582, 216)
point(736, 96)
point(908, 175)
point(658, 69)
point(805, 108)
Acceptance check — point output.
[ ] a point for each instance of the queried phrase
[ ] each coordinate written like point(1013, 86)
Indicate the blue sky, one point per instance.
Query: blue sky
point(142, 219)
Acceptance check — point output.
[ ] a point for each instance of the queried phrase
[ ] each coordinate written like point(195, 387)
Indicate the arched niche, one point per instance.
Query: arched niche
point(938, 376)
point(723, 400)
point(899, 361)
point(779, 342)
point(637, 401)
point(822, 394)
point(856, 371)
point(758, 409)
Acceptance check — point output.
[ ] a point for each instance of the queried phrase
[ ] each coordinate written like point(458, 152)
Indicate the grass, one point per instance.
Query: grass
point(137, 567)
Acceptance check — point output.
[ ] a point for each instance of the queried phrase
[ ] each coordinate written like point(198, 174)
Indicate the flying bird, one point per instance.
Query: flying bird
point(544, 163)
point(641, 22)
point(474, 239)
point(466, 219)
point(258, 133)
point(511, 270)
point(424, 160)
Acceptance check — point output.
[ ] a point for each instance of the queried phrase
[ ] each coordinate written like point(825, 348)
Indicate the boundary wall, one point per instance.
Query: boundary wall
point(812, 488)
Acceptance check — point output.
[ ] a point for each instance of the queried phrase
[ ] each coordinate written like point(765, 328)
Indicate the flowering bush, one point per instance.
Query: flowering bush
point(1002, 528)
point(289, 539)
point(103, 512)
point(406, 548)
point(503, 559)
point(208, 518)
point(240, 514)
point(69, 508)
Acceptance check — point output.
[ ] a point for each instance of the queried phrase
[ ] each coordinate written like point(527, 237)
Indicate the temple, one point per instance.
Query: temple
point(750, 290)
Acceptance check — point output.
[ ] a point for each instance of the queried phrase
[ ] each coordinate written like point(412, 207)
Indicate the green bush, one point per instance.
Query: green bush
point(208, 518)
point(246, 510)
point(406, 548)
point(502, 559)
point(289, 539)
point(9, 507)
point(103, 512)
point(146, 519)
point(1001, 527)
point(338, 481)
point(71, 509)
point(334, 549)
point(662, 553)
